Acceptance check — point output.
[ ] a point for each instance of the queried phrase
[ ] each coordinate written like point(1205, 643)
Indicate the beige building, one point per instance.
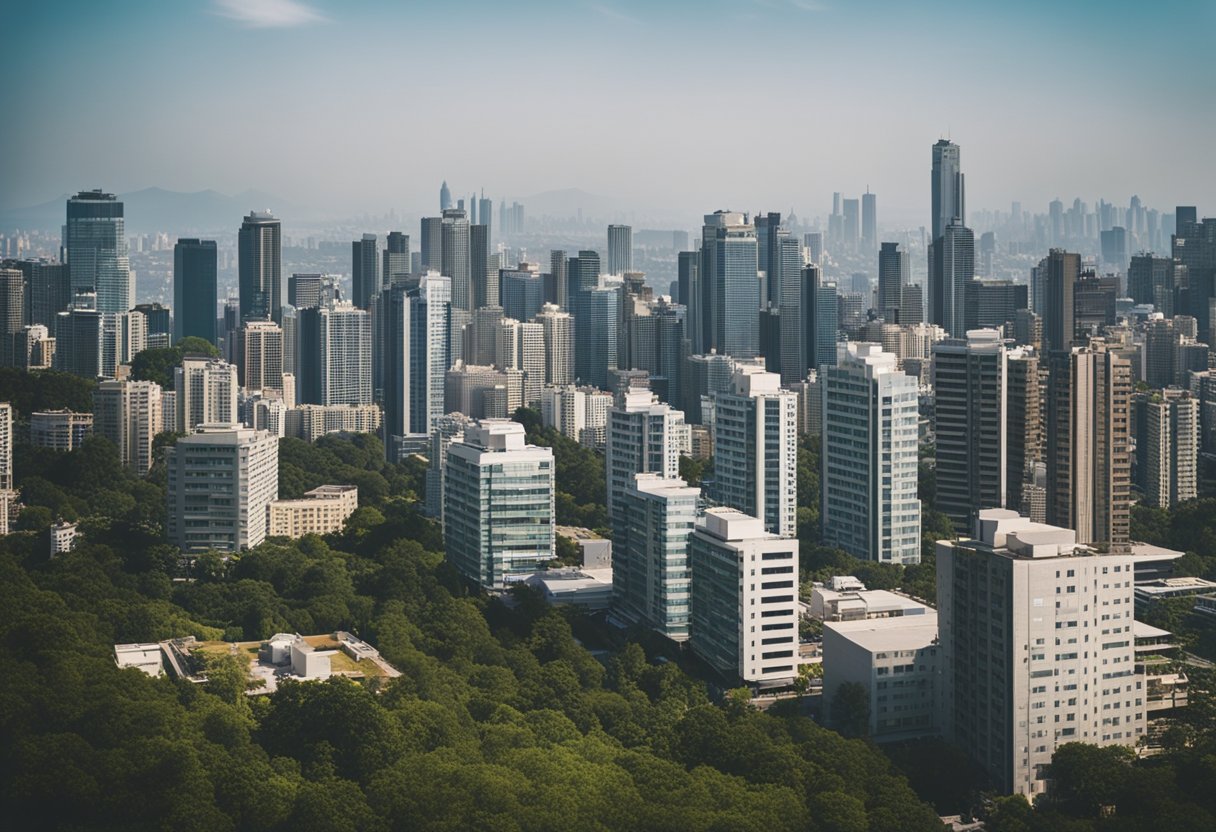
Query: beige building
point(312, 421)
point(128, 413)
point(60, 430)
point(323, 510)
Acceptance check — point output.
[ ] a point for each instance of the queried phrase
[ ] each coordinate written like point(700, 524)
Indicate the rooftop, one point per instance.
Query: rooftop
point(878, 634)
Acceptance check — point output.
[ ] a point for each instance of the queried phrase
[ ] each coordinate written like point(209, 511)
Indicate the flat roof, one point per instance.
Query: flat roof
point(1142, 630)
point(879, 634)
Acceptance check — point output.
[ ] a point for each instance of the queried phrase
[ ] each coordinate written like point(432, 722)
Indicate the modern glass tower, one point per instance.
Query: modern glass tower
point(620, 249)
point(730, 284)
point(194, 290)
point(415, 362)
point(947, 185)
point(96, 246)
point(365, 275)
point(894, 272)
point(643, 436)
point(259, 261)
point(455, 261)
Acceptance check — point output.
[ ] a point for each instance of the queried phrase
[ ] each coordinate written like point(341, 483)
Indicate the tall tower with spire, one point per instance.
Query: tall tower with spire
point(445, 196)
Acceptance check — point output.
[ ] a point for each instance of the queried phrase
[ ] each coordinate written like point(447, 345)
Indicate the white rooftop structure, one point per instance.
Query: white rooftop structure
point(1004, 529)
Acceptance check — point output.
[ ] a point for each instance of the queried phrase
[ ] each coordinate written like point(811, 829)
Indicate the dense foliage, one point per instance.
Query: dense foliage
point(44, 390)
point(501, 720)
point(581, 498)
point(157, 364)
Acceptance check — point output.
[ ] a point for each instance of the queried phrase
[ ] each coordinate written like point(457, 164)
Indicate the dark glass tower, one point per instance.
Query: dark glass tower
point(259, 255)
point(96, 245)
point(194, 289)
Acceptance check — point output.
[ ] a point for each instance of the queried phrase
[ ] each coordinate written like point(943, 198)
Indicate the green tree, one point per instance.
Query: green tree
point(850, 710)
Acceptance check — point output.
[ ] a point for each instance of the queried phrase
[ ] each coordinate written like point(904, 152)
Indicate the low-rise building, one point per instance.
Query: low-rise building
point(145, 657)
point(1152, 591)
point(63, 537)
point(324, 510)
point(576, 585)
point(312, 421)
point(897, 662)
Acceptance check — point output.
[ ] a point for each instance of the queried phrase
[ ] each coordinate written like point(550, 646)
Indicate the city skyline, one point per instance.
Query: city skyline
point(201, 121)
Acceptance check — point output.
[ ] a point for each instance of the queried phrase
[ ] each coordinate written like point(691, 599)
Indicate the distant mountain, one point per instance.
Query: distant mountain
point(156, 209)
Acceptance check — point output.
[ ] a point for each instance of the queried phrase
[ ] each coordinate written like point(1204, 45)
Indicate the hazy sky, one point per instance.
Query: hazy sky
point(675, 106)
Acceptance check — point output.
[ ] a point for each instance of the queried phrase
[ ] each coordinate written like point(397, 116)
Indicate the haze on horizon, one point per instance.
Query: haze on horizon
point(670, 109)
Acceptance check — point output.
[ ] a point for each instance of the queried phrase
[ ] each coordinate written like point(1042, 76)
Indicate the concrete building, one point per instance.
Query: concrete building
point(60, 430)
point(483, 391)
point(744, 595)
point(644, 436)
point(63, 537)
point(260, 268)
point(1167, 447)
point(1037, 647)
point(521, 346)
point(620, 249)
point(498, 504)
point(312, 421)
point(578, 586)
point(128, 413)
point(206, 392)
point(323, 510)
point(144, 657)
point(194, 289)
point(447, 429)
point(580, 413)
point(334, 363)
point(1088, 444)
point(259, 356)
point(650, 569)
point(897, 661)
point(559, 344)
point(756, 449)
point(869, 503)
point(222, 480)
point(35, 348)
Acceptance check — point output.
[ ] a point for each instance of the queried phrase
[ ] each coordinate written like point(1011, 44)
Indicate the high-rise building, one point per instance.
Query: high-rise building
point(128, 413)
point(498, 514)
point(869, 222)
point(744, 598)
point(984, 406)
point(415, 362)
point(483, 391)
point(335, 355)
point(951, 269)
point(48, 290)
point(1167, 447)
point(644, 436)
point(650, 571)
point(852, 224)
point(445, 196)
point(786, 268)
point(96, 246)
point(560, 275)
point(1155, 280)
point(1088, 435)
point(194, 290)
point(259, 358)
point(222, 480)
point(822, 320)
point(559, 344)
point(259, 264)
point(894, 273)
point(1194, 247)
point(483, 268)
point(1037, 645)
point(12, 316)
point(597, 317)
point(157, 322)
point(620, 249)
point(869, 503)
point(1061, 271)
point(455, 248)
point(35, 348)
point(396, 260)
point(521, 346)
point(206, 392)
point(949, 204)
point(730, 285)
point(432, 243)
point(78, 337)
point(523, 291)
point(689, 283)
point(991, 304)
point(365, 274)
point(305, 291)
point(756, 449)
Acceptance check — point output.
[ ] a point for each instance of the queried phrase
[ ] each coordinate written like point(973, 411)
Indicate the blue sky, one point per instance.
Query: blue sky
point(677, 107)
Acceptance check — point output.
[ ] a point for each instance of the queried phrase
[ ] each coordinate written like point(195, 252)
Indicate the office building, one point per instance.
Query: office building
point(559, 344)
point(851, 229)
point(1094, 304)
point(1193, 246)
point(894, 273)
point(730, 285)
point(869, 222)
point(523, 291)
point(744, 599)
point(195, 293)
point(1061, 270)
point(756, 449)
point(644, 436)
point(985, 404)
point(991, 304)
point(78, 337)
point(323, 510)
point(334, 363)
point(521, 346)
point(365, 271)
point(395, 260)
point(454, 257)
point(415, 360)
point(259, 358)
point(868, 464)
point(951, 269)
point(128, 413)
point(483, 391)
point(1167, 448)
point(559, 274)
point(597, 318)
point(259, 265)
point(620, 249)
point(949, 202)
point(222, 480)
point(48, 290)
point(60, 430)
point(1088, 435)
point(650, 569)
point(1036, 646)
point(206, 392)
point(498, 510)
point(483, 268)
point(12, 315)
point(1155, 280)
point(96, 245)
point(580, 413)
point(786, 269)
point(305, 291)
point(823, 318)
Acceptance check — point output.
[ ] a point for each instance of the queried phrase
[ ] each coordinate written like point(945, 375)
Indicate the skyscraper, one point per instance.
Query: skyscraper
point(559, 344)
point(445, 196)
point(597, 315)
point(48, 290)
point(949, 203)
point(620, 249)
point(483, 268)
point(785, 267)
point(12, 315)
point(894, 272)
point(1167, 447)
point(559, 274)
point(869, 221)
point(335, 359)
point(650, 571)
point(522, 292)
point(1088, 456)
point(756, 449)
point(689, 282)
point(365, 275)
point(194, 290)
point(415, 360)
point(455, 259)
point(822, 319)
point(1194, 247)
point(1061, 272)
point(97, 250)
point(730, 285)
point(259, 358)
point(432, 243)
point(852, 224)
point(206, 392)
point(128, 413)
point(869, 503)
point(259, 261)
point(490, 468)
point(396, 259)
point(952, 268)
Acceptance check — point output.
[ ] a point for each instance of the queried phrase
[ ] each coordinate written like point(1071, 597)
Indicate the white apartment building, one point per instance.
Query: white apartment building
point(128, 413)
point(644, 435)
point(206, 392)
